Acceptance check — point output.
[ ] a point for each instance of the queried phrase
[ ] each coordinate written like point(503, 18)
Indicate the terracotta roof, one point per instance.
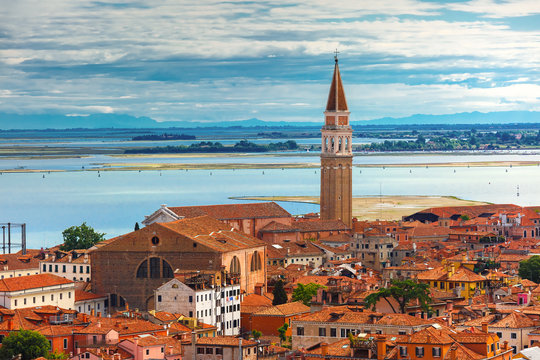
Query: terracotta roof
point(85, 295)
point(233, 211)
point(402, 319)
point(336, 96)
point(320, 225)
point(32, 282)
point(287, 309)
point(204, 230)
point(515, 320)
point(340, 314)
point(431, 335)
point(224, 341)
point(124, 326)
point(18, 261)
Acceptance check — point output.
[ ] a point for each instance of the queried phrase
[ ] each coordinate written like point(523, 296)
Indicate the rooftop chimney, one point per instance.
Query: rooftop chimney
point(485, 327)
point(381, 347)
point(324, 349)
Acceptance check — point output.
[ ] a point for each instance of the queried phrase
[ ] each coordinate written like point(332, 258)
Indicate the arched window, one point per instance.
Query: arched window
point(235, 266)
point(167, 270)
point(255, 262)
point(155, 268)
point(142, 271)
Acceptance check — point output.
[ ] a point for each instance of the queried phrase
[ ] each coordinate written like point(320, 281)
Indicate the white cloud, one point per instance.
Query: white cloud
point(499, 9)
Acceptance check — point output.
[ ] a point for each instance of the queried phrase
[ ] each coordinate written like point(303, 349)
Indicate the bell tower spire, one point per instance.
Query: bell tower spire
point(336, 155)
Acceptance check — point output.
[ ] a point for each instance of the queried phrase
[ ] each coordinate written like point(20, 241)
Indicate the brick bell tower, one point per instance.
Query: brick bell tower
point(336, 155)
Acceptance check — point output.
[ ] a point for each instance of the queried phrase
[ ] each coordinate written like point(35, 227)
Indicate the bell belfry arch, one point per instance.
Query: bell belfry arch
point(336, 155)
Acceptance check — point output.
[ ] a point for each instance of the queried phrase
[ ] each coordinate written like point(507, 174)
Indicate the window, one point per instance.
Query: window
point(159, 298)
point(234, 267)
point(209, 350)
point(403, 351)
point(190, 299)
point(219, 351)
point(88, 269)
point(65, 343)
point(24, 301)
point(43, 298)
point(34, 300)
point(63, 268)
point(74, 269)
point(50, 267)
point(419, 351)
point(300, 331)
point(155, 267)
point(401, 332)
point(322, 331)
point(436, 352)
point(147, 351)
point(55, 268)
point(513, 336)
point(69, 295)
point(256, 262)
point(333, 332)
point(514, 349)
point(60, 296)
point(44, 267)
point(52, 297)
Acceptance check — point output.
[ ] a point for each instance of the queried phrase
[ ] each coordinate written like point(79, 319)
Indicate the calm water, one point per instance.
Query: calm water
point(114, 201)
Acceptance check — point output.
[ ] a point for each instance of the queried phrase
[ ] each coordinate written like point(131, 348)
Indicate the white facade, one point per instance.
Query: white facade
point(79, 270)
point(62, 296)
point(6, 273)
point(94, 307)
point(217, 306)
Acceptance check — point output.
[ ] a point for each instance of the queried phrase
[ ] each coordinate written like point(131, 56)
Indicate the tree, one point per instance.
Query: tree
point(137, 226)
point(403, 292)
point(281, 331)
point(80, 237)
point(256, 334)
point(30, 344)
point(304, 293)
point(530, 269)
point(280, 296)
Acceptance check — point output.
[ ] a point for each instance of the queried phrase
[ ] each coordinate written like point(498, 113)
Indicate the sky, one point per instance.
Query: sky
point(202, 60)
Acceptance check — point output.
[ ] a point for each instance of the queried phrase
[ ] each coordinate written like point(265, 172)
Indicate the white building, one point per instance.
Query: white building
point(37, 290)
point(73, 265)
point(214, 305)
point(91, 304)
point(17, 264)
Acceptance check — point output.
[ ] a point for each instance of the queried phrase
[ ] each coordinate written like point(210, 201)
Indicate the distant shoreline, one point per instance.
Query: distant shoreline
point(122, 166)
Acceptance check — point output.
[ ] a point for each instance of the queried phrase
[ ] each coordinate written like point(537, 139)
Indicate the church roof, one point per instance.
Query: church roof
point(233, 211)
point(336, 97)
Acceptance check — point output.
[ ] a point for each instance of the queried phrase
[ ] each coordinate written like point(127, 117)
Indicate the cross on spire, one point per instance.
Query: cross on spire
point(335, 54)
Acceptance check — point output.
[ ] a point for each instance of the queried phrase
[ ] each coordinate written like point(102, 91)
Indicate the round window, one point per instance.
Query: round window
point(155, 240)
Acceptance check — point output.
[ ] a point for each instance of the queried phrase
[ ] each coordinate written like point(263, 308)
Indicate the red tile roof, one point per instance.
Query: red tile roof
point(32, 282)
point(233, 211)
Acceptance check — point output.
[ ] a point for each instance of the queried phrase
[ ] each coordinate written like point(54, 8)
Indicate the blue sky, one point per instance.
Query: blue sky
point(219, 61)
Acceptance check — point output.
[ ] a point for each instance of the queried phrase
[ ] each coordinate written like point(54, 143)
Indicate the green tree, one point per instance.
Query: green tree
point(80, 237)
point(30, 344)
point(530, 269)
point(256, 334)
point(57, 355)
point(403, 292)
point(304, 293)
point(280, 296)
point(281, 333)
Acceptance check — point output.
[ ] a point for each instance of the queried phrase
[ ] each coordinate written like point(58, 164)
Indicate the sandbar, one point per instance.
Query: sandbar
point(387, 207)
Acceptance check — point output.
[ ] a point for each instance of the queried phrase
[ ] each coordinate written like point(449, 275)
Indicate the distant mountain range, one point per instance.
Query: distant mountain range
point(97, 121)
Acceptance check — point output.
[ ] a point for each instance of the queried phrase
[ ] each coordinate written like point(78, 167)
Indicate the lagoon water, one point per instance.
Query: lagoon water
point(112, 202)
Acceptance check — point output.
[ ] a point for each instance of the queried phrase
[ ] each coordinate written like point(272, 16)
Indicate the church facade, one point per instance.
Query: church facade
point(336, 156)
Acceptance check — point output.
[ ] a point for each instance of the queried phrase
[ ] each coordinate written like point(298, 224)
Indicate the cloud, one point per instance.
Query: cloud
point(213, 60)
